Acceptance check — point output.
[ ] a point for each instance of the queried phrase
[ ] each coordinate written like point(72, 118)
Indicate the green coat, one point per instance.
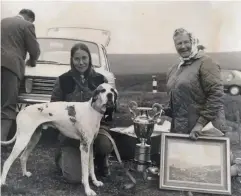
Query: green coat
point(196, 94)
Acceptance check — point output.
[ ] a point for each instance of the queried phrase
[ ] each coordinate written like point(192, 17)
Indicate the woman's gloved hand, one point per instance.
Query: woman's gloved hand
point(195, 133)
point(167, 112)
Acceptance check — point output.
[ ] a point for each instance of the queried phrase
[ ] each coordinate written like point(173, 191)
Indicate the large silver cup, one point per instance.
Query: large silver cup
point(144, 120)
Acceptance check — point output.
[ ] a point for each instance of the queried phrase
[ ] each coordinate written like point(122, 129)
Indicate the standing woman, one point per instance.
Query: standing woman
point(196, 90)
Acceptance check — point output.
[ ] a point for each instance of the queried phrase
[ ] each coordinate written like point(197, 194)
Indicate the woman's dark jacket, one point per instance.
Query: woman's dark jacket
point(196, 94)
point(71, 87)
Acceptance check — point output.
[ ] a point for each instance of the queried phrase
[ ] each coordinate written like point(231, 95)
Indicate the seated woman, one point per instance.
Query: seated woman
point(196, 91)
point(77, 85)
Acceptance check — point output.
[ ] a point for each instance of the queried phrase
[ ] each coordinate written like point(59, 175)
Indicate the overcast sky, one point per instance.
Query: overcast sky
point(142, 27)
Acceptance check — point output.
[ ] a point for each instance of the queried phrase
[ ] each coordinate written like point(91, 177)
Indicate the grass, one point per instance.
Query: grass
point(122, 64)
point(140, 82)
point(46, 181)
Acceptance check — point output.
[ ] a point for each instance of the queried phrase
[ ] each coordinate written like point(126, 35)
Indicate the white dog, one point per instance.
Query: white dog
point(77, 120)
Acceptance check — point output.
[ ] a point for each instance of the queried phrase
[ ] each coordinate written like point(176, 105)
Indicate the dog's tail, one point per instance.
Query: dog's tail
point(4, 143)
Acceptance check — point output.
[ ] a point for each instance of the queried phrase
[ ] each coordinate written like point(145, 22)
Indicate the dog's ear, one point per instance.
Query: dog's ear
point(115, 99)
point(97, 92)
point(95, 95)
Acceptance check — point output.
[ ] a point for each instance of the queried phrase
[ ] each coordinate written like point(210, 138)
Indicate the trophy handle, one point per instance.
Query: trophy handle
point(132, 106)
point(158, 109)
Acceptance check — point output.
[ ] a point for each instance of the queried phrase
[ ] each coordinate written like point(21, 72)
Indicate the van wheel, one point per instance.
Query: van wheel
point(234, 90)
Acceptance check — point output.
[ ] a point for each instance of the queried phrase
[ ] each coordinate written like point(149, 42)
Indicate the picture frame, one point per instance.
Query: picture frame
point(197, 166)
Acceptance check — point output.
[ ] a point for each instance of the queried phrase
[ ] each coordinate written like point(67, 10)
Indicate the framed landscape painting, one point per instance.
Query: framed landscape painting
point(198, 166)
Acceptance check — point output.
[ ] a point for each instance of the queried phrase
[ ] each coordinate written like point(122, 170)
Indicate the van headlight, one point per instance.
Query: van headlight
point(28, 85)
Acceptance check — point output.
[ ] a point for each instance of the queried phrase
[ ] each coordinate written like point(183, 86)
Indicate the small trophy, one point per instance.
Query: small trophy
point(144, 119)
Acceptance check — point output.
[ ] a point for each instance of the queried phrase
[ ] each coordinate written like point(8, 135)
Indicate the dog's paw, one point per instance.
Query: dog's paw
point(98, 183)
point(90, 192)
point(28, 174)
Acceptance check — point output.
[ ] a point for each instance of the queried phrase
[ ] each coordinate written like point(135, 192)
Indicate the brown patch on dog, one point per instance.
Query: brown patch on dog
point(85, 147)
point(73, 120)
point(50, 114)
point(71, 110)
point(40, 109)
point(71, 113)
point(83, 141)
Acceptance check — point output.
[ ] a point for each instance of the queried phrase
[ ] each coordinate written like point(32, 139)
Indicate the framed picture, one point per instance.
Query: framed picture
point(198, 166)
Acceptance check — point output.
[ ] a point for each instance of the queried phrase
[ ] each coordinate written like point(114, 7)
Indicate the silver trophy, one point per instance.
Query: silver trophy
point(144, 119)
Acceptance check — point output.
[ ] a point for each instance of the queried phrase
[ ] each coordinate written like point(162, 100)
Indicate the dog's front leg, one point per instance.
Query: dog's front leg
point(85, 149)
point(92, 168)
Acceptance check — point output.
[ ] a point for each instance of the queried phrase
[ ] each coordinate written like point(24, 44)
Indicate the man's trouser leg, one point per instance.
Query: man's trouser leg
point(9, 94)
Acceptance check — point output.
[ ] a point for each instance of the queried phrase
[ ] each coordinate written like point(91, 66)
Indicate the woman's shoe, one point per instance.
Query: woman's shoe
point(102, 166)
point(237, 162)
point(106, 167)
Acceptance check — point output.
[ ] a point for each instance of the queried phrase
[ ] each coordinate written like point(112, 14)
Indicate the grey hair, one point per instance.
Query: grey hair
point(181, 31)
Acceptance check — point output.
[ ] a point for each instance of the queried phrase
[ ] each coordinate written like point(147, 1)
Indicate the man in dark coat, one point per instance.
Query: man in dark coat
point(18, 38)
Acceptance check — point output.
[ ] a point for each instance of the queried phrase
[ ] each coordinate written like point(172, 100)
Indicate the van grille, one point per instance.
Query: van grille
point(41, 85)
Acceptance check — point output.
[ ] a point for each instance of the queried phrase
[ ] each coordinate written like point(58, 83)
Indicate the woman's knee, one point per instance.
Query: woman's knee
point(103, 145)
point(70, 164)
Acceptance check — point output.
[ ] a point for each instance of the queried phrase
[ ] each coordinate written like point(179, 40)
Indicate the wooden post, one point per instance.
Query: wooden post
point(154, 84)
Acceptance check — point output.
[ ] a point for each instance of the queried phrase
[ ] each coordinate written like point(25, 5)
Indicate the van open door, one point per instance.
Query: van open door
point(100, 36)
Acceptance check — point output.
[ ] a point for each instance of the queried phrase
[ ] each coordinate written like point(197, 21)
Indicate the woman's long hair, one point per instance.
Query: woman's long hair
point(76, 47)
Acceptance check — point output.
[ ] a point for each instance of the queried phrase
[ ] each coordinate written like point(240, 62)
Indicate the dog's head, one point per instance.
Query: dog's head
point(104, 98)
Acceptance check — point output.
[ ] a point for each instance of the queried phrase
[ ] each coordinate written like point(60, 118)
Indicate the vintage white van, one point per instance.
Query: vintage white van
point(54, 60)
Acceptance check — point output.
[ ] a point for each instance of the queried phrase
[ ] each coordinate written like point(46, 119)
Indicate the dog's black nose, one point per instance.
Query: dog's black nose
point(109, 96)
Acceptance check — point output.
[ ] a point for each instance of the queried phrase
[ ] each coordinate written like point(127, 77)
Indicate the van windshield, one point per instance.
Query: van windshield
point(58, 50)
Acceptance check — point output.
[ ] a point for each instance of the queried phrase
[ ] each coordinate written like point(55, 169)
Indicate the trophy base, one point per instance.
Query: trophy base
point(142, 157)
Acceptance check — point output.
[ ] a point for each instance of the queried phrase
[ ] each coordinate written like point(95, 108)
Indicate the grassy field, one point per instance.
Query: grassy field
point(123, 64)
point(140, 82)
point(46, 181)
